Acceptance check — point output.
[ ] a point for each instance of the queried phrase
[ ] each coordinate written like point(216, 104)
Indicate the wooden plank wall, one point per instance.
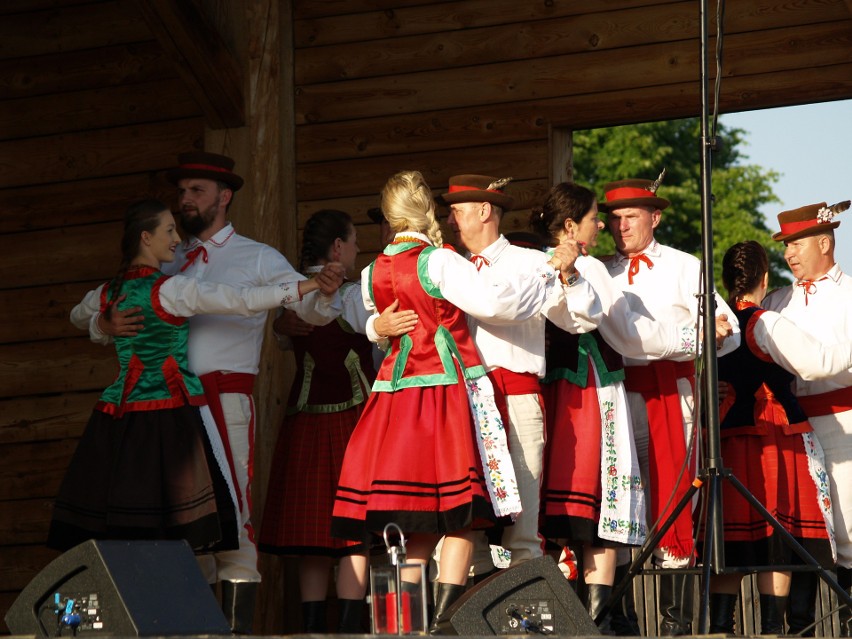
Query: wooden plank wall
point(461, 86)
point(91, 111)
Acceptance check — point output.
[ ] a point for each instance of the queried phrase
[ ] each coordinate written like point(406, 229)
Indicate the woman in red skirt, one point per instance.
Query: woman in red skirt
point(592, 493)
point(334, 372)
point(769, 444)
point(415, 458)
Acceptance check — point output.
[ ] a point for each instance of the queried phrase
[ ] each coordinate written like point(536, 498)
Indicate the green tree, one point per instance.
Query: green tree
point(739, 190)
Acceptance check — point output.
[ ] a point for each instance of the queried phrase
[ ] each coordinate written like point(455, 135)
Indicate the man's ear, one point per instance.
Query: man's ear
point(227, 196)
point(656, 216)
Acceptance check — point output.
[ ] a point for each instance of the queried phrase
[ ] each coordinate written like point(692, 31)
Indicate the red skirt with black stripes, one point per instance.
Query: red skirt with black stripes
point(303, 483)
point(773, 466)
point(412, 460)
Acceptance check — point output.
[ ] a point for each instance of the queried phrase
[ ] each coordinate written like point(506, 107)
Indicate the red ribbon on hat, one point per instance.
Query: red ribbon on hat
point(626, 192)
point(458, 187)
point(205, 167)
point(789, 228)
point(192, 255)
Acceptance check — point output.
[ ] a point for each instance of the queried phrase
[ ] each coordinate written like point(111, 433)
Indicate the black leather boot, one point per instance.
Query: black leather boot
point(350, 613)
point(446, 596)
point(675, 605)
point(238, 599)
point(772, 614)
point(315, 617)
point(598, 596)
point(801, 603)
point(722, 606)
point(623, 618)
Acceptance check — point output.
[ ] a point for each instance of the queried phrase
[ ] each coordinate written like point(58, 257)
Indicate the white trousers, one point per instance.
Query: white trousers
point(240, 564)
point(834, 433)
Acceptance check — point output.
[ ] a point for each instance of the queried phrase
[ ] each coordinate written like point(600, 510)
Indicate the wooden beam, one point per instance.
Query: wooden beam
point(163, 99)
point(55, 366)
point(97, 153)
point(579, 73)
point(558, 35)
point(117, 65)
point(364, 176)
point(519, 121)
point(212, 74)
point(561, 154)
point(67, 29)
point(51, 417)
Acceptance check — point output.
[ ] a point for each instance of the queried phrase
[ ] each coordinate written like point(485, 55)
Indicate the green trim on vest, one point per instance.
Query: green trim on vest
point(357, 378)
point(447, 348)
point(423, 274)
point(396, 249)
point(587, 347)
point(370, 282)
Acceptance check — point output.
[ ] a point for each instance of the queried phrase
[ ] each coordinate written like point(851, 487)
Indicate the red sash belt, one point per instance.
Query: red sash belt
point(508, 383)
point(830, 403)
point(657, 383)
point(214, 384)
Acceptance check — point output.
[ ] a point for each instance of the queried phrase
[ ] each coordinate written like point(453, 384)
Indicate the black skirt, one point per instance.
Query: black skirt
point(147, 475)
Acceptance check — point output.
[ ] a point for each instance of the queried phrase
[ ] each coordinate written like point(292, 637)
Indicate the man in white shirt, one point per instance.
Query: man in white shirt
point(661, 283)
point(820, 303)
point(224, 350)
point(513, 353)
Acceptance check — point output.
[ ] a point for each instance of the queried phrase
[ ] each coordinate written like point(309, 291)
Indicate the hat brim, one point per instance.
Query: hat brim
point(505, 202)
point(234, 181)
point(817, 229)
point(655, 202)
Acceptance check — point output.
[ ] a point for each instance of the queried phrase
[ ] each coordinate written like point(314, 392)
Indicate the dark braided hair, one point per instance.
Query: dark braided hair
point(139, 217)
point(743, 268)
point(321, 229)
point(564, 201)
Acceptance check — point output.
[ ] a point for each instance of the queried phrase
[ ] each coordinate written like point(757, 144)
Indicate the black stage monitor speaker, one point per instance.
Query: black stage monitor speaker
point(119, 588)
point(531, 598)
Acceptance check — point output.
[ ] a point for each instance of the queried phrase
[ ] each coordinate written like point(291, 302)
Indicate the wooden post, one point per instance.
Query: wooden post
point(561, 154)
point(265, 210)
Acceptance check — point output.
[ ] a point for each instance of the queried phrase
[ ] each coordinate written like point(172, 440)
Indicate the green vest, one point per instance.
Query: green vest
point(154, 373)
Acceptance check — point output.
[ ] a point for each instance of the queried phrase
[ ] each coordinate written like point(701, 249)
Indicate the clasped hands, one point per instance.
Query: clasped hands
point(565, 255)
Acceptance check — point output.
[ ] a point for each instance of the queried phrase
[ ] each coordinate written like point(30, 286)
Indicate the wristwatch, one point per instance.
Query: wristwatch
point(572, 279)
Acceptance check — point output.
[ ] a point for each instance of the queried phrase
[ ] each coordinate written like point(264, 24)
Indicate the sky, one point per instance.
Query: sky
point(811, 147)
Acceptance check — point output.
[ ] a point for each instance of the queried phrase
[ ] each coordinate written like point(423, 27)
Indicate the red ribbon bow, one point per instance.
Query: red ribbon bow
point(633, 269)
point(479, 261)
point(192, 255)
point(809, 286)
